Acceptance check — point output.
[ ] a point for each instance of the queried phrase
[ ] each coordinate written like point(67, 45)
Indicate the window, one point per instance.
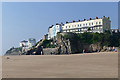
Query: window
point(89, 23)
point(78, 25)
point(92, 23)
point(86, 24)
point(66, 26)
point(75, 25)
point(99, 22)
point(69, 26)
point(83, 24)
point(96, 22)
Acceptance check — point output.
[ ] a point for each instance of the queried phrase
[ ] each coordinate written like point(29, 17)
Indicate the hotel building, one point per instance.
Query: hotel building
point(92, 25)
point(53, 30)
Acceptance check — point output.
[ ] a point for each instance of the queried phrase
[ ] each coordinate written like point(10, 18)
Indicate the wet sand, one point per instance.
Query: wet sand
point(93, 65)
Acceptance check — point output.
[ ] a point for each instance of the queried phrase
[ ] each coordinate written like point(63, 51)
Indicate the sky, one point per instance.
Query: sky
point(23, 20)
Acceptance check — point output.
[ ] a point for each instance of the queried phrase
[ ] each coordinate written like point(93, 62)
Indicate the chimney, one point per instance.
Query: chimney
point(103, 16)
point(56, 23)
point(84, 19)
point(96, 17)
point(66, 22)
point(73, 21)
point(62, 23)
point(79, 20)
point(90, 18)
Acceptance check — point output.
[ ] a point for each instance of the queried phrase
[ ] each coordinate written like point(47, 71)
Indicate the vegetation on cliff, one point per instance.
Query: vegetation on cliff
point(48, 44)
point(106, 39)
point(14, 51)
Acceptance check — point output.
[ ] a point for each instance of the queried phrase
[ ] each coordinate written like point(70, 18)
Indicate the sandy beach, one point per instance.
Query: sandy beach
point(93, 65)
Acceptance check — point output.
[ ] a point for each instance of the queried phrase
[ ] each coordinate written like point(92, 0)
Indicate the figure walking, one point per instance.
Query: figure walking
point(41, 52)
point(83, 51)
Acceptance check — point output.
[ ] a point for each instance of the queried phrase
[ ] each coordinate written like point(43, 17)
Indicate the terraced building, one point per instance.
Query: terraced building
point(91, 25)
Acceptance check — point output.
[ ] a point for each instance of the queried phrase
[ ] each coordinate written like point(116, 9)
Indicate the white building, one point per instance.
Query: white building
point(115, 30)
point(26, 45)
point(50, 32)
point(92, 25)
point(53, 30)
point(23, 43)
point(45, 36)
point(31, 42)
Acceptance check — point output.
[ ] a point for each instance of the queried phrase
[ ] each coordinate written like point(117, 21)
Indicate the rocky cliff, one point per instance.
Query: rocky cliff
point(14, 51)
point(71, 43)
point(64, 43)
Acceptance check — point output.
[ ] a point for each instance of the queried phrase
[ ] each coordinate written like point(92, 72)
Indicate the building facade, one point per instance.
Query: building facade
point(23, 43)
point(53, 30)
point(26, 45)
point(92, 25)
point(50, 32)
point(31, 42)
point(45, 36)
point(115, 30)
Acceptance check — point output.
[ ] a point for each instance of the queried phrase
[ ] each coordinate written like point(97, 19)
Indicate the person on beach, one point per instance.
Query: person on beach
point(41, 52)
point(83, 51)
point(113, 48)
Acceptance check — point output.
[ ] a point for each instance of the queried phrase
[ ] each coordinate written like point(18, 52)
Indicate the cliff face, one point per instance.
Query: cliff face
point(63, 43)
point(70, 45)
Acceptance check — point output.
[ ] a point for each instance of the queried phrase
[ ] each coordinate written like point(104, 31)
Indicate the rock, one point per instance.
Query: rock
point(65, 43)
point(8, 58)
point(14, 51)
point(50, 51)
